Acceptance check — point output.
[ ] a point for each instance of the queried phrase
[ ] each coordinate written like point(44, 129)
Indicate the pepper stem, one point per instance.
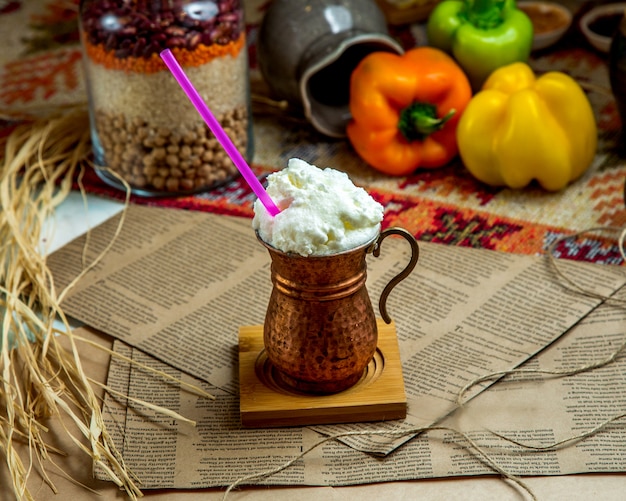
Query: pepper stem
point(419, 120)
point(485, 14)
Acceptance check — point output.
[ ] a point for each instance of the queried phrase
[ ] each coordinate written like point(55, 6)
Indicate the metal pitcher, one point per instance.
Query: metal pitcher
point(320, 329)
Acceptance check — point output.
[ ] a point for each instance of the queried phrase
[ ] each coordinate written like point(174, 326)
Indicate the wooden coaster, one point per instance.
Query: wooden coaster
point(264, 402)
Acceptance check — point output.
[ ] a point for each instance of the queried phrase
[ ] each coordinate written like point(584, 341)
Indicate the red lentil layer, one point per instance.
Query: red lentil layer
point(202, 54)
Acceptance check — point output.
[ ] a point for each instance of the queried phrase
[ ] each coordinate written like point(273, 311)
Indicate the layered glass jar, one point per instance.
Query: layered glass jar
point(145, 131)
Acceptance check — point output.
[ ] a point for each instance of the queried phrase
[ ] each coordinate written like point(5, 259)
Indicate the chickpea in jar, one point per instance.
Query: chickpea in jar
point(144, 129)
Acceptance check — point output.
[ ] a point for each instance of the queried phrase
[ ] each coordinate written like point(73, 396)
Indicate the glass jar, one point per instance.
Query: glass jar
point(144, 129)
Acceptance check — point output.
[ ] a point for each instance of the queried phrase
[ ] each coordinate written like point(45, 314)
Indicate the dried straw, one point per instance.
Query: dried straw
point(39, 378)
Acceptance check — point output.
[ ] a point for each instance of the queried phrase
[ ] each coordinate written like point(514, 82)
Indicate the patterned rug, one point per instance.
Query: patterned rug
point(40, 65)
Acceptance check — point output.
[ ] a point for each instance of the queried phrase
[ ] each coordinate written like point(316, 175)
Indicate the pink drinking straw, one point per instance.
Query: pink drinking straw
point(218, 132)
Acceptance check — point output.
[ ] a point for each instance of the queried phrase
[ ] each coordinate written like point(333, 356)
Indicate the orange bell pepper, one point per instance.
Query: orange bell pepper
point(405, 109)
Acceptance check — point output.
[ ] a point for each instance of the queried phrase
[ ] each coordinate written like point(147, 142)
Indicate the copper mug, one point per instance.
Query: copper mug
point(320, 330)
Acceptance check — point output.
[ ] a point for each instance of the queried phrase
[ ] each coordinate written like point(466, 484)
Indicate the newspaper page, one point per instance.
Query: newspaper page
point(533, 409)
point(178, 285)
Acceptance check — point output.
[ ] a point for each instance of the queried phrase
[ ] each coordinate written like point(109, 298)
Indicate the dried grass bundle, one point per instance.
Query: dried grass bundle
point(40, 378)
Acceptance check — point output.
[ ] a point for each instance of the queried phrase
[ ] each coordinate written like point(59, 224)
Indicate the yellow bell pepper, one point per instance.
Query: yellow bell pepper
point(520, 127)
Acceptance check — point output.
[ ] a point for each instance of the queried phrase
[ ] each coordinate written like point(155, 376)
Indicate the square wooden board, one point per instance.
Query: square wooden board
point(378, 396)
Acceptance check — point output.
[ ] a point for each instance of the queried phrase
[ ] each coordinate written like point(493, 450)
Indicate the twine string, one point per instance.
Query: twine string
point(575, 286)
point(472, 446)
point(413, 433)
point(566, 441)
point(548, 372)
point(582, 290)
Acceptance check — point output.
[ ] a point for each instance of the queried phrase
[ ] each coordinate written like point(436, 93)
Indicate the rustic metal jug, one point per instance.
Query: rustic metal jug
point(320, 329)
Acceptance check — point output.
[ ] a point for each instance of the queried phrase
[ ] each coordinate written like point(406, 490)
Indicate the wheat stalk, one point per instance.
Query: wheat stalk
point(40, 378)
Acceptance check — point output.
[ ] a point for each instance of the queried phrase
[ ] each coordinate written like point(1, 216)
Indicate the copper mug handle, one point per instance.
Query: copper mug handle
point(382, 303)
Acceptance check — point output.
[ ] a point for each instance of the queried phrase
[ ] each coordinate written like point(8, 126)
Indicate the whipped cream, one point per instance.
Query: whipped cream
point(321, 211)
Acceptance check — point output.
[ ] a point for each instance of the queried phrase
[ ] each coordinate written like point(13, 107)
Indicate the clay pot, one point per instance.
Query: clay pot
point(307, 51)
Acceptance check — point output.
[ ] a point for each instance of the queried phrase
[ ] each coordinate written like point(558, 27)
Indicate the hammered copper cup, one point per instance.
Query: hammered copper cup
point(320, 329)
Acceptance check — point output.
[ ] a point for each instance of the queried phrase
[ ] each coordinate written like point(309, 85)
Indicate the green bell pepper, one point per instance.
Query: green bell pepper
point(482, 35)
